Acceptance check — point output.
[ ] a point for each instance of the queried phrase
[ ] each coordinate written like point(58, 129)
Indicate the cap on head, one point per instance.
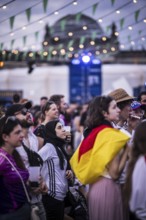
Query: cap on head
point(136, 105)
point(17, 108)
point(120, 95)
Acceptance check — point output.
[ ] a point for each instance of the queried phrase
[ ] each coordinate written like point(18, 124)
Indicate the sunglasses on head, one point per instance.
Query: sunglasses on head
point(23, 111)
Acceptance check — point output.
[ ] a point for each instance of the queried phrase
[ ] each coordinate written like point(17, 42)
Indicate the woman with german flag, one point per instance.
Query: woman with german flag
point(100, 159)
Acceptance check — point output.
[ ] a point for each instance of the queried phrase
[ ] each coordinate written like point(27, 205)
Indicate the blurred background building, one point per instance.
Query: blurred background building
point(77, 48)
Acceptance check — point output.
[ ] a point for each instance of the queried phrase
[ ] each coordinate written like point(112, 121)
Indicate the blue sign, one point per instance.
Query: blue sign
point(84, 80)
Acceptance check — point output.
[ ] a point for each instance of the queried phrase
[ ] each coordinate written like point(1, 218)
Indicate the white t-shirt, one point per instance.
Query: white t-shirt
point(54, 177)
point(138, 195)
point(34, 145)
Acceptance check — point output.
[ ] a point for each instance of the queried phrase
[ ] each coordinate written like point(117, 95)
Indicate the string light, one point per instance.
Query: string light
point(75, 2)
point(104, 38)
point(76, 55)
point(97, 52)
point(85, 28)
point(70, 34)
point(81, 46)
point(33, 47)
point(41, 21)
point(70, 55)
point(100, 20)
point(30, 54)
point(71, 49)
point(116, 33)
point(92, 42)
point(56, 38)
point(4, 7)
point(45, 43)
point(113, 49)
point(104, 51)
point(130, 28)
point(45, 53)
point(54, 52)
point(56, 13)
point(1, 64)
point(62, 51)
point(122, 46)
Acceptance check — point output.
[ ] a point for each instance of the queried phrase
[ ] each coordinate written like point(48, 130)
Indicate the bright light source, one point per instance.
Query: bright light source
point(96, 61)
point(70, 34)
point(41, 21)
point(23, 28)
point(116, 33)
point(75, 61)
point(104, 38)
point(84, 28)
point(75, 2)
point(100, 20)
point(130, 28)
point(56, 13)
point(4, 6)
point(122, 46)
point(86, 59)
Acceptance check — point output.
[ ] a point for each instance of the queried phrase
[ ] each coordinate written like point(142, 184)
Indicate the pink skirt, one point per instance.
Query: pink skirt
point(105, 201)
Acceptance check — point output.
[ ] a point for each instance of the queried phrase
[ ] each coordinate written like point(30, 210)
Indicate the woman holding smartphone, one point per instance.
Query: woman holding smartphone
point(13, 174)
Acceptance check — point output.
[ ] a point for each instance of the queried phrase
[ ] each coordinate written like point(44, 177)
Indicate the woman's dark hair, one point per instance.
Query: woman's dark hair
point(57, 142)
point(95, 110)
point(138, 148)
point(7, 125)
point(46, 107)
point(57, 99)
point(38, 116)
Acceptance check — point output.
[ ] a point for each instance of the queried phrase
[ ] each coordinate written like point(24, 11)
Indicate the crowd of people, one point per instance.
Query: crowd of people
point(98, 149)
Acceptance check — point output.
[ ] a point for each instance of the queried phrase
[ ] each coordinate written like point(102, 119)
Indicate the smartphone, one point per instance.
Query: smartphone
point(34, 184)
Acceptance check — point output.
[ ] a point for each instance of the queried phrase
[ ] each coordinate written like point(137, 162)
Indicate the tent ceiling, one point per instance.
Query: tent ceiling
point(23, 22)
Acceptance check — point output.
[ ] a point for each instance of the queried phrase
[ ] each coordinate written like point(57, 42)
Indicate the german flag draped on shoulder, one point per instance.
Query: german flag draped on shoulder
point(96, 151)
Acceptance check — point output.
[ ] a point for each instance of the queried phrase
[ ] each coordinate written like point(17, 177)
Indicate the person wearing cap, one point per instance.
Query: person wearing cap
point(15, 108)
point(123, 100)
point(135, 117)
point(142, 99)
point(30, 141)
